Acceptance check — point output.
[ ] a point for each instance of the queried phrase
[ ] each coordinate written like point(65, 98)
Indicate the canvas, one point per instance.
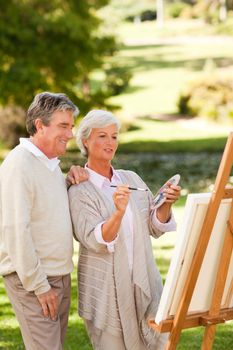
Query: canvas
point(194, 214)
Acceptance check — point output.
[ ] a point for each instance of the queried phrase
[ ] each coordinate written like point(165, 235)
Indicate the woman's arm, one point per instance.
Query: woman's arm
point(111, 227)
point(87, 213)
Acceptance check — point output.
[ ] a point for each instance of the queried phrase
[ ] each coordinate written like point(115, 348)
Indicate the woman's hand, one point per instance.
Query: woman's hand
point(76, 175)
point(121, 197)
point(172, 194)
point(111, 227)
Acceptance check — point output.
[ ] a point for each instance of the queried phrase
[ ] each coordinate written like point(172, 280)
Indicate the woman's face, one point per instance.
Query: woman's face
point(102, 143)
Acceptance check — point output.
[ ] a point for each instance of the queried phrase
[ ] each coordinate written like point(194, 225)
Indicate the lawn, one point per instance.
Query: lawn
point(163, 60)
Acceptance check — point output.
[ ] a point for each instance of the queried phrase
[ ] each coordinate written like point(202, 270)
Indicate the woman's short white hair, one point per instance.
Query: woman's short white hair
point(96, 118)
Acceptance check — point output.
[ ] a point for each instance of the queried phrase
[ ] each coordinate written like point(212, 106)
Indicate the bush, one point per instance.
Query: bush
point(225, 27)
point(148, 15)
point(12, 121)
point(176, 8)
point(117, 80)
point(210, 96)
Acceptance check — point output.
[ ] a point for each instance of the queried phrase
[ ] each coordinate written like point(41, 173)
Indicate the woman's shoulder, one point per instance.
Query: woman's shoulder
point(84, 187)
point(128, 174)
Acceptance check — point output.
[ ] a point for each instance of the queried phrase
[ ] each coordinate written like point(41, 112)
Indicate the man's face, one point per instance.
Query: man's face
point(54, 137)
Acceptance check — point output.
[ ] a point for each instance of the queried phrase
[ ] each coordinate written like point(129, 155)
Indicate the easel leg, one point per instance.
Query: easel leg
point(208, 337)
point(215, 307)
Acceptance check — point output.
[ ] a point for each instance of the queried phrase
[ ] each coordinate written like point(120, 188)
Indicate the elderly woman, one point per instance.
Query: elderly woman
point(119, 284)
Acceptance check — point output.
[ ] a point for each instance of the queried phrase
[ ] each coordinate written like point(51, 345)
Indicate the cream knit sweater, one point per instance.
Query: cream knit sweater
point(35, 225)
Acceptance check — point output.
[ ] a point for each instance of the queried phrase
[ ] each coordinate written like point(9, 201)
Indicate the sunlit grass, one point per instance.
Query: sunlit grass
point(172, 27)
point(163, 61)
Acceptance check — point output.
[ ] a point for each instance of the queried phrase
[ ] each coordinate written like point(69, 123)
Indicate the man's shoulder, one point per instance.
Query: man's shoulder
point(16, 158)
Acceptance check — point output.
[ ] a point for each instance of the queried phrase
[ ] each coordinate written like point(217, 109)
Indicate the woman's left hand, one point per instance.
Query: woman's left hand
point(172, 193)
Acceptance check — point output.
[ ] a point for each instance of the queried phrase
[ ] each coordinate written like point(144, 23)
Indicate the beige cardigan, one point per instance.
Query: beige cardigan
point(108, 295)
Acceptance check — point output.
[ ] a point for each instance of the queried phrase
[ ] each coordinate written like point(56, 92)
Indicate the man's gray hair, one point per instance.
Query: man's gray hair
point(96, 118)
point(44, 105)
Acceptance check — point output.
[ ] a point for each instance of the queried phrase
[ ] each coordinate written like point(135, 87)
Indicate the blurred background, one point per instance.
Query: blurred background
point(164, 67)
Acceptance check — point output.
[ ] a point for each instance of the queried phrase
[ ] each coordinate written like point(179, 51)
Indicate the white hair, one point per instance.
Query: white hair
point(96, 118)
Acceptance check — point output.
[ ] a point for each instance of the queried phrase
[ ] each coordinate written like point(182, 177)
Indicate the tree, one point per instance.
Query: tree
point(160, 12)
point(51, 45)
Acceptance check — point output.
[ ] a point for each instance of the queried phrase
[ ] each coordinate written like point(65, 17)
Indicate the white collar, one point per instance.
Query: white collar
point(100, 180)
point(51, 164)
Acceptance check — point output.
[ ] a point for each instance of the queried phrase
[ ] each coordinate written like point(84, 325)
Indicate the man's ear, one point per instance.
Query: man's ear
point(38, 125)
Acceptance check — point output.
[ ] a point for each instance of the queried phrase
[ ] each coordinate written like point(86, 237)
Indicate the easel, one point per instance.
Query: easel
point(216, 314)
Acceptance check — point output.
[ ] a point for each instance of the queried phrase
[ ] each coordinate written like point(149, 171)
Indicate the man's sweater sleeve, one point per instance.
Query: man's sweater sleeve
point(17, 203)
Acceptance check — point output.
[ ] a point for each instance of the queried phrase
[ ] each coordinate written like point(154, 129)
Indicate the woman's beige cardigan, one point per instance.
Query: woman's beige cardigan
point(108, 295)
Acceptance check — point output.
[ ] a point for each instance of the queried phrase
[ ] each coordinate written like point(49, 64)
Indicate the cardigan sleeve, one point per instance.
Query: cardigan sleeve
point(86, 215)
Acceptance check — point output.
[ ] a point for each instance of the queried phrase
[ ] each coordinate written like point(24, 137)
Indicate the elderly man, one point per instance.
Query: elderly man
point(35, 226)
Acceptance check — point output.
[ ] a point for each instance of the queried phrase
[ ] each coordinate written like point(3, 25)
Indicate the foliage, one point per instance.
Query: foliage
point(12, 120)
point(117, 80)
point(175, 9)
point(51, 45)
point(225, 27)
point(209, 96)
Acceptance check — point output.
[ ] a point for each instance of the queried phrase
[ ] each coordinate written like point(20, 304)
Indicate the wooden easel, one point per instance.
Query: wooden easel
point(215, 315)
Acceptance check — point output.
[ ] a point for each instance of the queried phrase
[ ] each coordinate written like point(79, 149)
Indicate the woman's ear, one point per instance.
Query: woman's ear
point(84, 141)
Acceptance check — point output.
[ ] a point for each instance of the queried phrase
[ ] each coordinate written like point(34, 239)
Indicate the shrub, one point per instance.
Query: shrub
point(117, 80)
point(176, 8)
point(12, 121)
point(210, 96)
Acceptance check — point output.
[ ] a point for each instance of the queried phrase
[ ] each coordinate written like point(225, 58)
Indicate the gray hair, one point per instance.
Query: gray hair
point(44, 105)
point(96, 118)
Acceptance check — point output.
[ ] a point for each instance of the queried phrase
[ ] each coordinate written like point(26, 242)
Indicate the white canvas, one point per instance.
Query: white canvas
point(194, 214)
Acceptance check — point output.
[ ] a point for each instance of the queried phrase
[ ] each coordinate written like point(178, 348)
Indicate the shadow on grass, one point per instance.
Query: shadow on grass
point(165, 60)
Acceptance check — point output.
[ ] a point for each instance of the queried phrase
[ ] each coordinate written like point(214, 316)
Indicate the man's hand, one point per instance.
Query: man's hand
point(49, 303)
point(76, 175)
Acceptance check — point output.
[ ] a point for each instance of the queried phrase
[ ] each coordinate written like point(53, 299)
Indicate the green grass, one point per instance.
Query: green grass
point(163, 61)
point(177, 136)
point(172, 27)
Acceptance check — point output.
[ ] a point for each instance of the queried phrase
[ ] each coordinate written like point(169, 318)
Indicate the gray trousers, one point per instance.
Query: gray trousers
point(38, 332)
